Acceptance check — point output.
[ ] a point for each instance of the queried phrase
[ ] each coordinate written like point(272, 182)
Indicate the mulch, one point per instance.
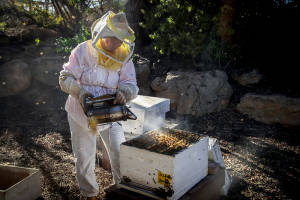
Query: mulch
point(263, 160)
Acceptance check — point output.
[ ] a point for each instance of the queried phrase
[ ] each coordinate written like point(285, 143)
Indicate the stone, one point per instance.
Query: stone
point(46, 69)
point(195, 93)
point(249, 78)
point(31, 32)
point(15, 77)
point(271, 108)
point(9, 53)
point(34, 51)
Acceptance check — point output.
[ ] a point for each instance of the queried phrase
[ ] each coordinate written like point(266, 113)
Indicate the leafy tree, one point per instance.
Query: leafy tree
point(180, 27)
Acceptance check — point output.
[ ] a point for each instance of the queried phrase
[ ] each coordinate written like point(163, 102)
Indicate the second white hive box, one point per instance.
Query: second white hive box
point(166, 161)
point(150, 112)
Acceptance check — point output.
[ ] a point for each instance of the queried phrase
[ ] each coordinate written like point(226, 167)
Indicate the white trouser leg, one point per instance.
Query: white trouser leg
point(112, 138)
point(84, 149)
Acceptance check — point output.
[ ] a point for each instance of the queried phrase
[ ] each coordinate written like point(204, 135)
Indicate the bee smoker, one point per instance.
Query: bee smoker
point(101, 110)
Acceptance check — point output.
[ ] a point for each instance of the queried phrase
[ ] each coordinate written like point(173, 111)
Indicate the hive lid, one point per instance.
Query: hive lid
point(165, 141)
point(148, 102)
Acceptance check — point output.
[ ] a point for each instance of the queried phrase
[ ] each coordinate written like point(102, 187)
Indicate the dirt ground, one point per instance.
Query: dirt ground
point(263, 160)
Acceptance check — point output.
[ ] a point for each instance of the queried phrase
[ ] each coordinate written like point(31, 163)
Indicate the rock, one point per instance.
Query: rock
point(195, 93)
point(244, 79)
point(46, 69)
point(31, 32)
point(9, 53)
point(48, 51)
point(36, 51)
point(271, 109)
point(158, 84)
point(15, 77)
point(31, 50)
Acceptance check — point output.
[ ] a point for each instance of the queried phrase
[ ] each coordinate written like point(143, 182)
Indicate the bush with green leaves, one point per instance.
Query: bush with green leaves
point(65, 45)
point(180, 27)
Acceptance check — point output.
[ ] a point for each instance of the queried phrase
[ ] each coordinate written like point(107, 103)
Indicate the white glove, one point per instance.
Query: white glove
point(83, 94)
point(68, 84)
point(125, 93)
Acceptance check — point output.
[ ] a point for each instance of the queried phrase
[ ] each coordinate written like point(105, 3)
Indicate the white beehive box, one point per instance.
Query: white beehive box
point(150, 112)
point(19, 183)
point(167, 162)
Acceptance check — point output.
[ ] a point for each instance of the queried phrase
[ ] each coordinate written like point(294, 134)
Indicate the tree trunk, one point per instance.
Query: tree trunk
point(133, 16)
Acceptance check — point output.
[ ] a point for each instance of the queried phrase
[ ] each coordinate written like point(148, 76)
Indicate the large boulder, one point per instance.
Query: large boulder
point(31, 32)
point(195, 93)
point(33, 51)
point(15, 77)
point(271, 109)
point(9, 53)
point(248, 78)
point(46, 69)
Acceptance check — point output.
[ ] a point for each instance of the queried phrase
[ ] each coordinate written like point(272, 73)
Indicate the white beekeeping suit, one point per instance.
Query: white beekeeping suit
point(94, 71)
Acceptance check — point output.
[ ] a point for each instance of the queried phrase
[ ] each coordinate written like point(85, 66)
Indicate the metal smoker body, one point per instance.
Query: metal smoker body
point(103, 110)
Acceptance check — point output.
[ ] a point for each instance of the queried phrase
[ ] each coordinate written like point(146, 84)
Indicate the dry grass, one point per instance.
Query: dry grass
point(263, 160)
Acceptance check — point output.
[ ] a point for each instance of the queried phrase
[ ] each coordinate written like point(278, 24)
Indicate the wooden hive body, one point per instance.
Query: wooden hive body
point(168, 169)
point(19, 183)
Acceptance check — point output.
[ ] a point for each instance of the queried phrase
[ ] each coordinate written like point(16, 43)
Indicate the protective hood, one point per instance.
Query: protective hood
point(113, 25)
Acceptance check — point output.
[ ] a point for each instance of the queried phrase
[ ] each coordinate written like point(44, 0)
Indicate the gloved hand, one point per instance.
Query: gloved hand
point(68, 84)
point(83, 94)
point(125, 93)
point(120, 98)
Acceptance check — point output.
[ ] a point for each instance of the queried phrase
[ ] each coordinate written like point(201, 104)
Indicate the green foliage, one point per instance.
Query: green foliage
point(66, 44)
point(180, 27)
point(37, 41)
point(220, 52)
point(2, 26)
point(20, 14)
point(44, 18)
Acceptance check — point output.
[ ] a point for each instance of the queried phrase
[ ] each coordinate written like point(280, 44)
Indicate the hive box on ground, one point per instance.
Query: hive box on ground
point(150, 112)
point(167, 162)
point(207, 189)
point(19, 183)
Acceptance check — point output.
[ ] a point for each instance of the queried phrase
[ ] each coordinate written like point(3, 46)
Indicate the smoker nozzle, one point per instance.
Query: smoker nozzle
point(130, 115)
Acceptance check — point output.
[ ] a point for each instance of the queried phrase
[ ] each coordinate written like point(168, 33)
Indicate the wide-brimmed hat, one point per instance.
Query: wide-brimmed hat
point(113, 25)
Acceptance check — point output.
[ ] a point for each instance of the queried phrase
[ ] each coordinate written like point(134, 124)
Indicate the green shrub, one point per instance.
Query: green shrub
point(180, 27)
point(66, 44)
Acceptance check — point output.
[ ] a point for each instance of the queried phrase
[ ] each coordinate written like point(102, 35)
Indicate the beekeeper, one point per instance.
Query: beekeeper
point(97, 67)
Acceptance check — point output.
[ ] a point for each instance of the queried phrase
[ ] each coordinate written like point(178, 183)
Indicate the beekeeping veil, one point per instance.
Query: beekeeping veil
point(113, 25)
